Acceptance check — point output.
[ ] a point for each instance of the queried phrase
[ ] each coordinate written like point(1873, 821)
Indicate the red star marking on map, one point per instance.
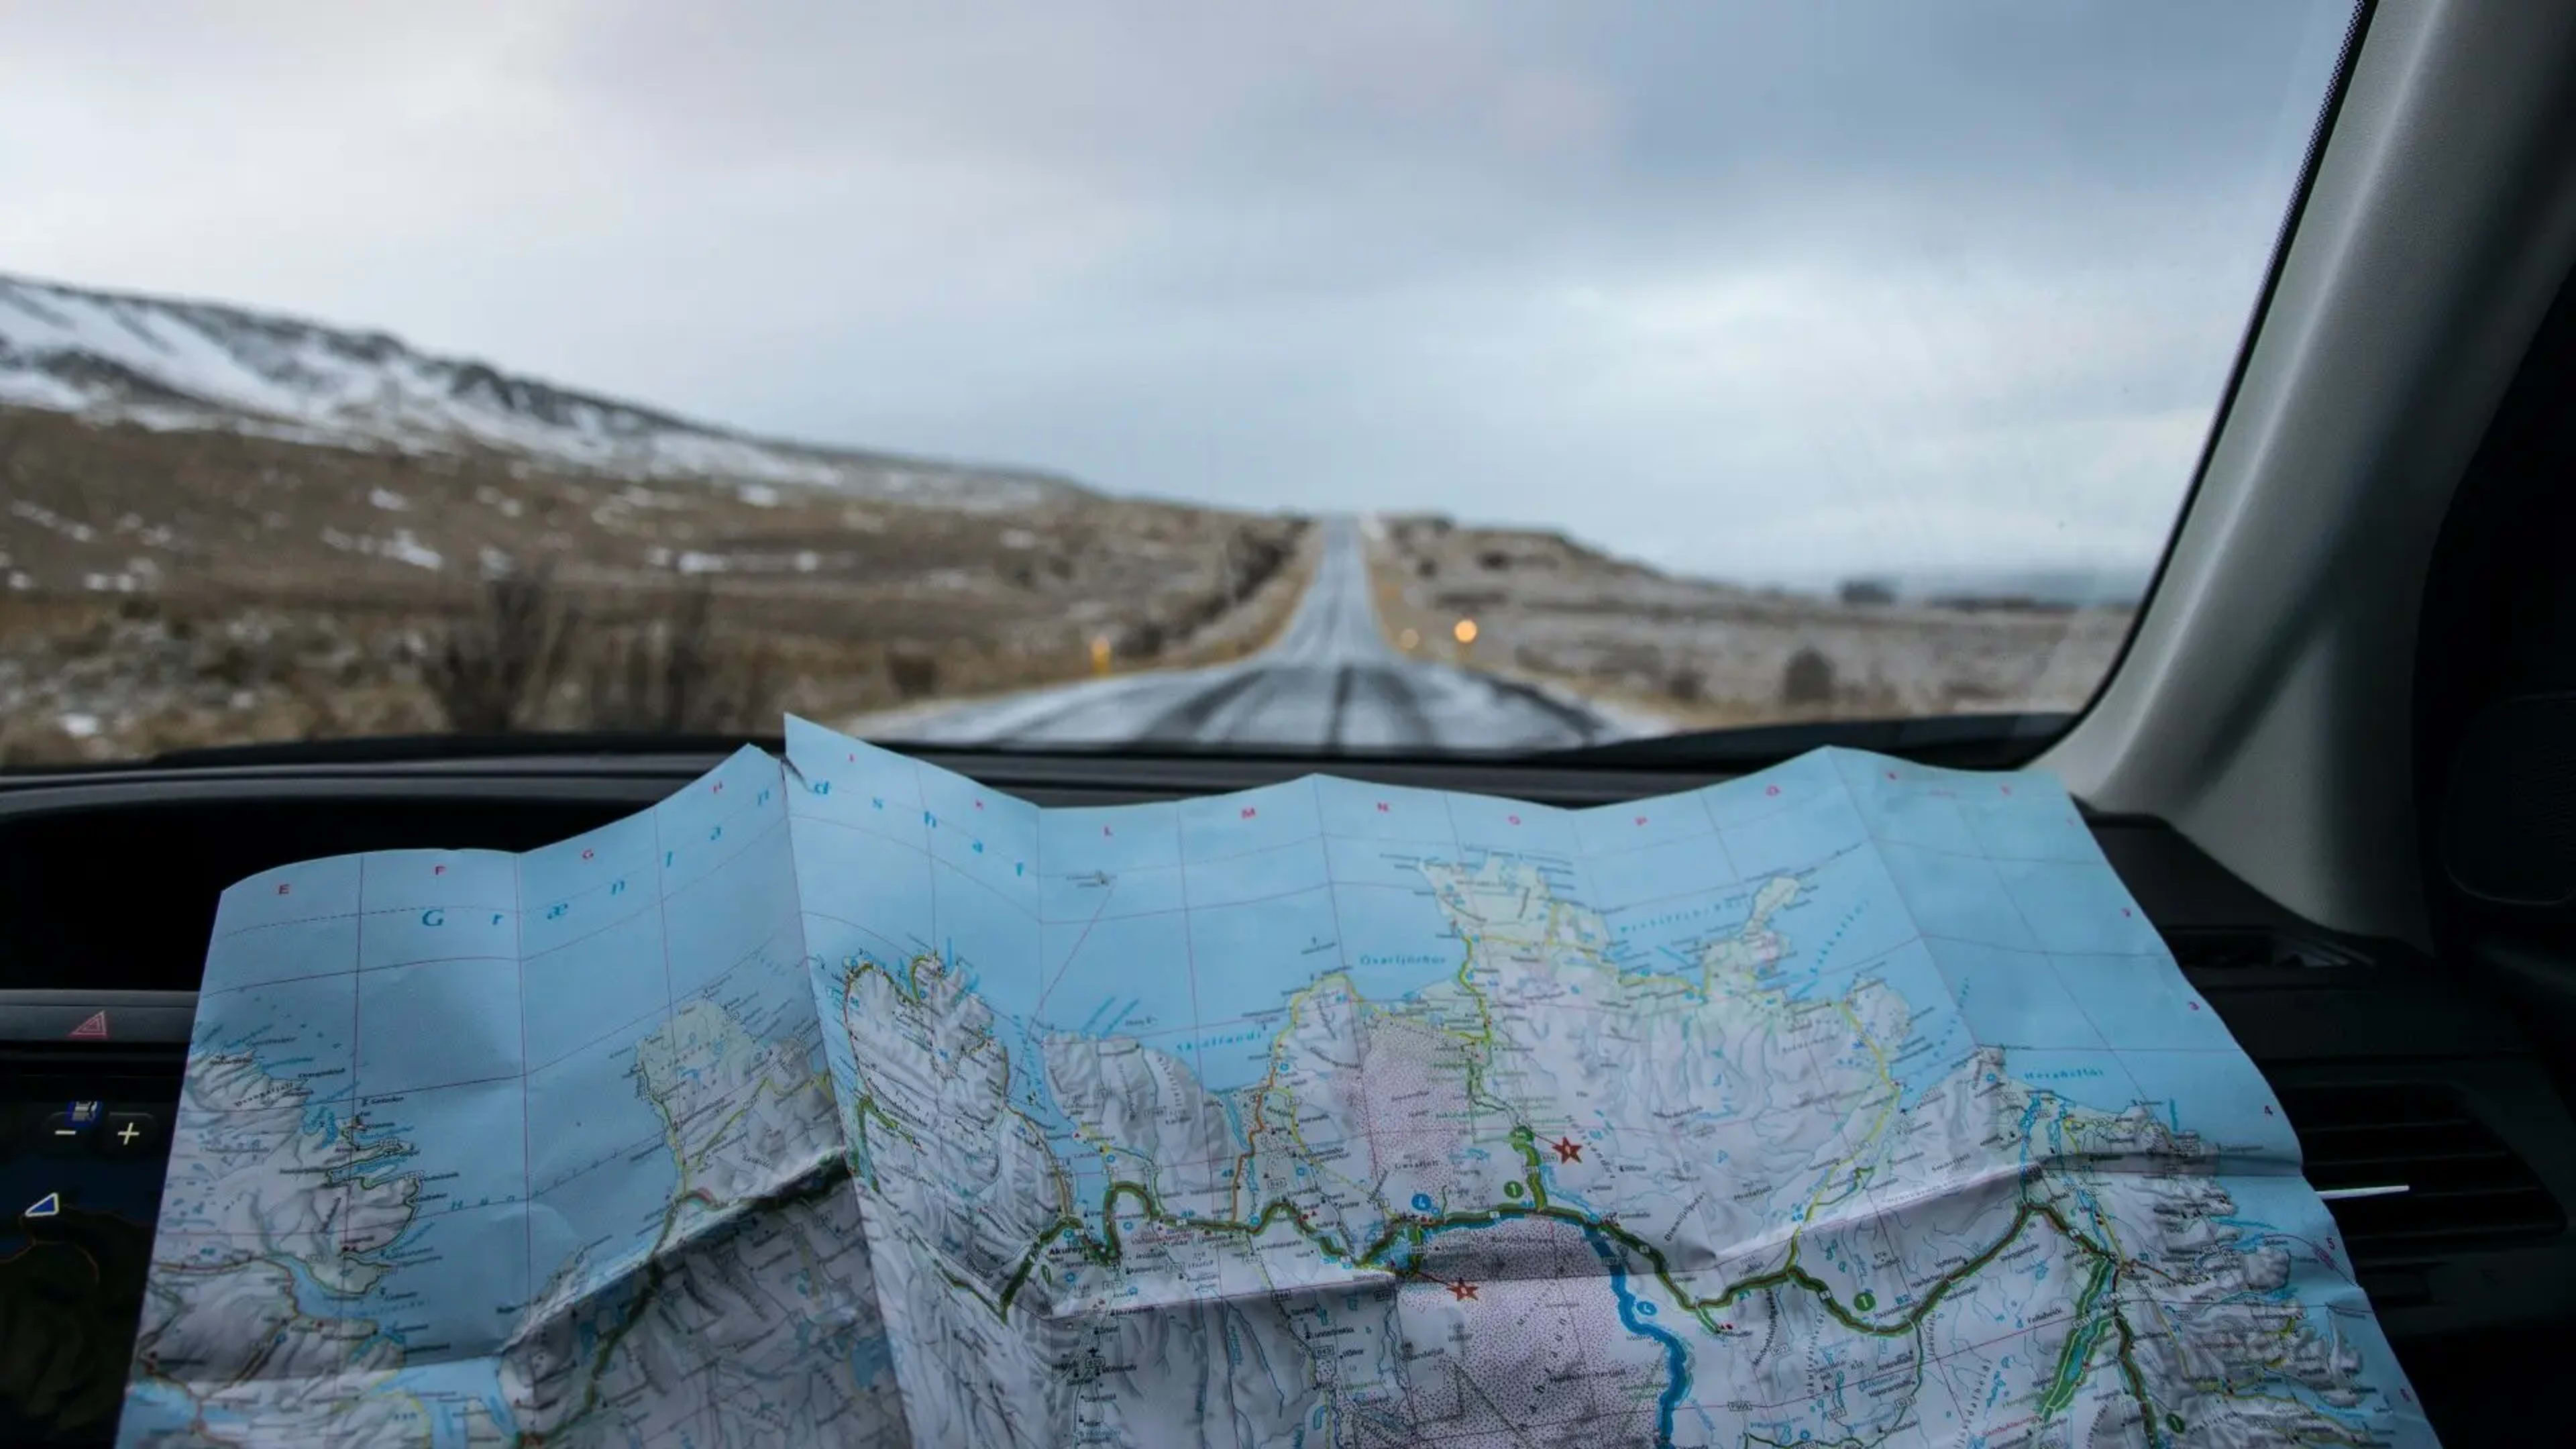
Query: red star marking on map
point(1462, 1291)
point(1567, 1149)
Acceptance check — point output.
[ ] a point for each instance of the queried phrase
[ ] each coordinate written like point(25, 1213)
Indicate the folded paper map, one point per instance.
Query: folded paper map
point(845, 1100)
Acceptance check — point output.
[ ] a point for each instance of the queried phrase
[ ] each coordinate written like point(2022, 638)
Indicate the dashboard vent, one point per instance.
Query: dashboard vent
point(2231, 949)
point(2409, 1170)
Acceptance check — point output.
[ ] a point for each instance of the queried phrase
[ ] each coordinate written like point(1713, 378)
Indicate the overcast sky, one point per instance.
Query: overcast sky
point(1783, 291)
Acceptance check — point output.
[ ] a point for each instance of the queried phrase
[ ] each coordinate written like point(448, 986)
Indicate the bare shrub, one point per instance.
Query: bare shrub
point(678, 674)
point(1253, 556)
point(1808, 680)
point(914, 672)
point(1143, 639)
point(497, 664)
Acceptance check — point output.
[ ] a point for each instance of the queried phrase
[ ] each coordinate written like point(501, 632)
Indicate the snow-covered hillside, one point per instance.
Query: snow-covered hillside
point(193, 365)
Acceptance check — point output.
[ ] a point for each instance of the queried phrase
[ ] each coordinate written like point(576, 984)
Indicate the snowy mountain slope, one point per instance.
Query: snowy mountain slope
point(193, 365)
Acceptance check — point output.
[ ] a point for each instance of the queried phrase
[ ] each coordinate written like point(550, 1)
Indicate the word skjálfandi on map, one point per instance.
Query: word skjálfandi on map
point(845, 1100)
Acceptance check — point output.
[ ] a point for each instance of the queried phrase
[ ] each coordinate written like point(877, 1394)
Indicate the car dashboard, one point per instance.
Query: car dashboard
point(2428, 1118)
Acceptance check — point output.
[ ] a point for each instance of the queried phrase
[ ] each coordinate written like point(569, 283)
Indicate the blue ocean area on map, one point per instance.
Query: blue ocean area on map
point(900, 1106)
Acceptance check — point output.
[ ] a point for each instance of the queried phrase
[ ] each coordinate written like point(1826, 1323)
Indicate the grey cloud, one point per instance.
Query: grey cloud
point(1784, 290)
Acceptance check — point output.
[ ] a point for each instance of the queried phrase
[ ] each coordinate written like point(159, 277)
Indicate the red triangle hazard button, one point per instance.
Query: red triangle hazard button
point(94, 1029)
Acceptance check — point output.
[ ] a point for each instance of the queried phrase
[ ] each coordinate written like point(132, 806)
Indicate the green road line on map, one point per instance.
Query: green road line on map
point(1411, 1227)
point(1108, 1248)
point(1414, 1229)
point(2080, 1342)
point(1525, 1142)
point(1482, 1038)
point(2137, 1381)
point(865, 1109)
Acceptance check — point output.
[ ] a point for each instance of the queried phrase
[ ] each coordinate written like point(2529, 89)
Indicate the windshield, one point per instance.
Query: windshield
point(1326, 379)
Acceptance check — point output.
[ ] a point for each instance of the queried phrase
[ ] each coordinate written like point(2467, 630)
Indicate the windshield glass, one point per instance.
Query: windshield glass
point(1414, 378)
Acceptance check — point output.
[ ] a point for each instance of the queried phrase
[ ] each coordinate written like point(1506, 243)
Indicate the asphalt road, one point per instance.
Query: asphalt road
point(1331, 682)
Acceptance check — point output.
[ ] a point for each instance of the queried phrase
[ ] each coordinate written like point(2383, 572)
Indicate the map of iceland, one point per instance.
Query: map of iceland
point(844, 1100)
point(1848, 1104)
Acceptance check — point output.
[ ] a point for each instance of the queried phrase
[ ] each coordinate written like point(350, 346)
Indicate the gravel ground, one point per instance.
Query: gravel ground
point(161, 590)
